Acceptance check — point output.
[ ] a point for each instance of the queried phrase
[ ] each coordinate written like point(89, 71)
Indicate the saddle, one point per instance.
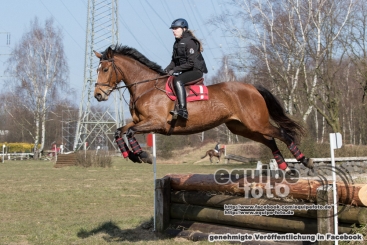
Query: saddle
point(195, 90)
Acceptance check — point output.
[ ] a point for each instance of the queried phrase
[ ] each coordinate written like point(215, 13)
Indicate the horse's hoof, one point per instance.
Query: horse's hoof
point(308, 162)
point(134, 157)
point(291, 174)
point(145, 157)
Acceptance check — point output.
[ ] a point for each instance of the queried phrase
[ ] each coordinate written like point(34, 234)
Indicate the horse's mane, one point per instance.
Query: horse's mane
point(136, 55)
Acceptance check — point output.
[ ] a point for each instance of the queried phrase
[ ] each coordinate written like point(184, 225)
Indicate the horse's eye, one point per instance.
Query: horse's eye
point(105, 69)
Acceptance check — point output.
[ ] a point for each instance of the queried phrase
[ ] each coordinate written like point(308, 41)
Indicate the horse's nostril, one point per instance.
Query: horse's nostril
point(98, 97)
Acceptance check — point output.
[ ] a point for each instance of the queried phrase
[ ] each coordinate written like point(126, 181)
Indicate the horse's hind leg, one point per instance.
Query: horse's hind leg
point(280, 134)
point(238, 128)
point(308, 162)
point(266, 137)
point(284, 137)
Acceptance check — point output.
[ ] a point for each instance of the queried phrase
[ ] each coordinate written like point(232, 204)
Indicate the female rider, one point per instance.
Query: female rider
point(187, 62)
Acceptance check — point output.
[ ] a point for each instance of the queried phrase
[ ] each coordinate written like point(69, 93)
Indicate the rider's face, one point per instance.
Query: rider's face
point(177, 32)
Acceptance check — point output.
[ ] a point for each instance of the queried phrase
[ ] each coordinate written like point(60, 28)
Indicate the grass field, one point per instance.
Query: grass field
point(41, 204)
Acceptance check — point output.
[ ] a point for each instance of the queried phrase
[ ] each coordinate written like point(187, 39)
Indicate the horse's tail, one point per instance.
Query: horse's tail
point(205, 155)
point(277, 113)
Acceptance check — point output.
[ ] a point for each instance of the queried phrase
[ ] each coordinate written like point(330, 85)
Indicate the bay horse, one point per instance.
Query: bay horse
point(212, 153)
point(246, 109)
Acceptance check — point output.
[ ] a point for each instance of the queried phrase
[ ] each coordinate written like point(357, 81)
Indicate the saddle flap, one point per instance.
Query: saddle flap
point(170, 79)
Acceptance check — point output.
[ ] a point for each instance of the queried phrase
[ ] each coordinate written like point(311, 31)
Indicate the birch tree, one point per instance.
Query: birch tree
point(39, 69)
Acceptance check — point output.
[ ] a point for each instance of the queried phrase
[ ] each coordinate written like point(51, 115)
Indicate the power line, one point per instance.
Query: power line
point(207, 61)
point(84, 3)
point(62, 26)
point(132, 34)
point(155, 12)
point(153, 25)
point(202, 22)
point(220, 28)
point(72, 15)
point(166, 9)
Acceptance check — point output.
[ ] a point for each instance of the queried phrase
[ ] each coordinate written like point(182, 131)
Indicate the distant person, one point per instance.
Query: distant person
point(217, 147)
point(187, 63)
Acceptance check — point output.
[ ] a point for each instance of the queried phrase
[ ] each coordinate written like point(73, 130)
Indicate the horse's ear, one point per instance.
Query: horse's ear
point(109, 53)
point(99, 55)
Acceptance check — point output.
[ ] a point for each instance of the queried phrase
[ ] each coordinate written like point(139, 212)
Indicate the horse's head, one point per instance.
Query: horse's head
point(108, 75)
point(125, 64)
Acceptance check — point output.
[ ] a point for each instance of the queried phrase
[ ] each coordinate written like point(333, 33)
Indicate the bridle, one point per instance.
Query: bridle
point(115, 68)
point(118, 69)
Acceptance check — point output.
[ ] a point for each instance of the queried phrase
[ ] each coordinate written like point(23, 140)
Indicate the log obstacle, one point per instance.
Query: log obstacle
point(237, 158)
point(303, 189)
point(197, 202)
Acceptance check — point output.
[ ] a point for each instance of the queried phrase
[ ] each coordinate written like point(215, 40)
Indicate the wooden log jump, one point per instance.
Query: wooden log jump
point(355, 194)
point(197, 201)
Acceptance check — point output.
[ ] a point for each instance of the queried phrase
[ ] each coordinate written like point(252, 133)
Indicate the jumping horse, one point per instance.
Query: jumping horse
point(246, 109)
point(212, 153)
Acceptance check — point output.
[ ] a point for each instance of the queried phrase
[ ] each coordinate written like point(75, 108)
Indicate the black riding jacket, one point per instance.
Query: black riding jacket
point(186, 55)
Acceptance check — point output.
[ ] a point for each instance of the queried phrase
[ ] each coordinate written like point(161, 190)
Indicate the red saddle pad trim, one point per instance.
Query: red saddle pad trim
point(193, 93)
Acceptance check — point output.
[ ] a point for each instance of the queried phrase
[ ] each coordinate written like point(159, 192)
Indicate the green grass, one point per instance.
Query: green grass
point(41, 204)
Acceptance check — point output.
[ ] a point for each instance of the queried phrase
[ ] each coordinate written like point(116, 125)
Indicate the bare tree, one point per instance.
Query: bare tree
point(38, 66)
point(356, 43)
point(292, 46)
point(225, 73)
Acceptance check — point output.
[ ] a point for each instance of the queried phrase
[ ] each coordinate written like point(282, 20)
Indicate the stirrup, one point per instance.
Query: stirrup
point(181, 112)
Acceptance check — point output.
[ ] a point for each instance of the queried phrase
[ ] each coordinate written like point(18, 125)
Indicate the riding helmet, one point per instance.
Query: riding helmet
point(180, 23)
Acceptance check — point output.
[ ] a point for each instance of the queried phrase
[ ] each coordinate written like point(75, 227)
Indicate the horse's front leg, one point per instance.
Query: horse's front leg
point(137, 154)
point(145, 126)
point(120, 131)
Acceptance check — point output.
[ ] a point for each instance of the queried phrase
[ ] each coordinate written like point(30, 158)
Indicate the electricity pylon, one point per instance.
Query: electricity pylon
point(96, 127)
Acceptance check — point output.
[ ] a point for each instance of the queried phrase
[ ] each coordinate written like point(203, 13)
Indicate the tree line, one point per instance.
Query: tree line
point(311, 54)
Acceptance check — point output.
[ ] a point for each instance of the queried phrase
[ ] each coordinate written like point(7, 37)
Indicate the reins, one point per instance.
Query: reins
point(145, 81)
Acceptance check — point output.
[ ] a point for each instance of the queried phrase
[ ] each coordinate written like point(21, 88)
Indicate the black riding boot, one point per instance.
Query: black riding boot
point(181, 97)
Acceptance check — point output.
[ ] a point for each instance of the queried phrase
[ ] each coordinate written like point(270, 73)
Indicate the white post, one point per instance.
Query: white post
point(3, 153)
point(335, 143)
point(55, 153)
point(85, 150)
point(155, 175)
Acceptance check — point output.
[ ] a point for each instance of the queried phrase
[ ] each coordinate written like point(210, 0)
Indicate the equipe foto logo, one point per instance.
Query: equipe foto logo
point(255, 184)
point(276, 183)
